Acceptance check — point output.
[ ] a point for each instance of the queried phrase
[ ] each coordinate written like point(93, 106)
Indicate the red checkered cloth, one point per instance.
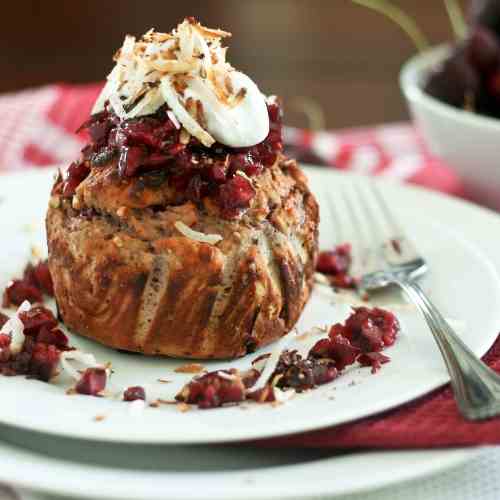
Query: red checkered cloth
point(38, 129)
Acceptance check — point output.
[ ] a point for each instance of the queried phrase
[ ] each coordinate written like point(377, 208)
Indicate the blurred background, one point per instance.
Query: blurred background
point(345, 57)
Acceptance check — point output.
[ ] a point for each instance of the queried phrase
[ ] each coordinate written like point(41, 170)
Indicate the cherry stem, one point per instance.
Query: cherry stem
point(401, 18)
point(456, 18)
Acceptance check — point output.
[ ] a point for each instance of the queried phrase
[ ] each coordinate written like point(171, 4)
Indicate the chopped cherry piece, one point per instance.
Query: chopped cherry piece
point(20, 290)
point(336, 264)
point(5, 342)
point(44, 361)
point(373, 359)
point(236, 193)
point(36, 279)
point(293, 371)
point(37, 318)
point(39, 276)
point(144, 132)
point(76, 173)
point(92, 382)
point(53, 337)
point(134, 393)
point(154, 143)
point(216, 173)
point(214, 389)
point(371, 329)
point(264, 395)
point(337, 348)
point(333, 261)
point(130, 160)
point(3, 319)
point(43, 277)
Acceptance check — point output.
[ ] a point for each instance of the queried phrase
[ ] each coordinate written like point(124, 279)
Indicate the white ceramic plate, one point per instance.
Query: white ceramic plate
point(129, 472)
point(463, 249)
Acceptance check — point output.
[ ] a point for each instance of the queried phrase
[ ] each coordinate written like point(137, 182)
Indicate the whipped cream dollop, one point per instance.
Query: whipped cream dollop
point(187, 70)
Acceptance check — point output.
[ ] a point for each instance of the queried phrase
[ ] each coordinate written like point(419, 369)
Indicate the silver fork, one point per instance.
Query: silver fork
point(394, 260)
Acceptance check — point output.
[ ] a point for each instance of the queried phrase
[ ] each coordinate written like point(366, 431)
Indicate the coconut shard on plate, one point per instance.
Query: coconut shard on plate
point(182, 230)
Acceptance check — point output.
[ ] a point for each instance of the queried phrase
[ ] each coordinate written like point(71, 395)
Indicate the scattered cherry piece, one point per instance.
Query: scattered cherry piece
point(44, 361)
point(373, 359)
point(336, 264)
point(338, 348)
point(76, 173)
point(36, 318)
point(18, 291)
point(371, 329)
point(213, 389)
point(134, 393)
point(92, 382)
point(53, 336)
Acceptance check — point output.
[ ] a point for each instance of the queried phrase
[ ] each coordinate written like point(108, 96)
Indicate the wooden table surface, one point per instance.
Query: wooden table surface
point(343, 56)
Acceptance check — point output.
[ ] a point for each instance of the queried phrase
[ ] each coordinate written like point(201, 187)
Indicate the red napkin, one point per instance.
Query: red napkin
point(38, 129)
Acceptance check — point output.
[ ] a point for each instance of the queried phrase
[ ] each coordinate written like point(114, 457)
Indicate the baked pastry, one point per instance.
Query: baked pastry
point(182, 230)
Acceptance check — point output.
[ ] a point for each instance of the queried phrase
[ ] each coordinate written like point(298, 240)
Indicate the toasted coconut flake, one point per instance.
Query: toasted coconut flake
point(86, 359)
point(211, 32)
point(128, 47)
point(271, 363)
point(190, 368)
point(211, 239)
point(116, 103)
point(173, 67)
point(151, 101)
point(14, 327)
point(192, 51)
point(227, 376)
point(189, 123)
point(174, 120)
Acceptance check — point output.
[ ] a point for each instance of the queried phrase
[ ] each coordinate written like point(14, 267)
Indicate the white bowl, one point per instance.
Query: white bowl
point(467, 142)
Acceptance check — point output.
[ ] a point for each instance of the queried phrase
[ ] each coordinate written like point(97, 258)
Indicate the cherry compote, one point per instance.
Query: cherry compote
point(154, 143)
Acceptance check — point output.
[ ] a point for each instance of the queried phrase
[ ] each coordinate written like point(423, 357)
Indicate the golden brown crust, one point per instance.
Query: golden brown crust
point(126, 277)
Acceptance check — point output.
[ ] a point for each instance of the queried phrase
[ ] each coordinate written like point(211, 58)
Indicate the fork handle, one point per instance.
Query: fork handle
point(476, 387)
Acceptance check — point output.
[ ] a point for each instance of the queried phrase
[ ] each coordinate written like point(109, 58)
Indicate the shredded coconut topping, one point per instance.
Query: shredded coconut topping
point(271, 362)
point(211, 239)
point(14, 327)
point(187, 69)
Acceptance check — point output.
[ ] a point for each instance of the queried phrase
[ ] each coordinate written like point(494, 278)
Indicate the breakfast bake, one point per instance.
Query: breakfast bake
point(183, 229)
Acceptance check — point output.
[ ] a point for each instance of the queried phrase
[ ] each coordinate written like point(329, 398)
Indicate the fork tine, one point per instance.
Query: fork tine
point(334, 215)
point(374, 224)
point(397, 234)
point(389, 217)
point(369, 258)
